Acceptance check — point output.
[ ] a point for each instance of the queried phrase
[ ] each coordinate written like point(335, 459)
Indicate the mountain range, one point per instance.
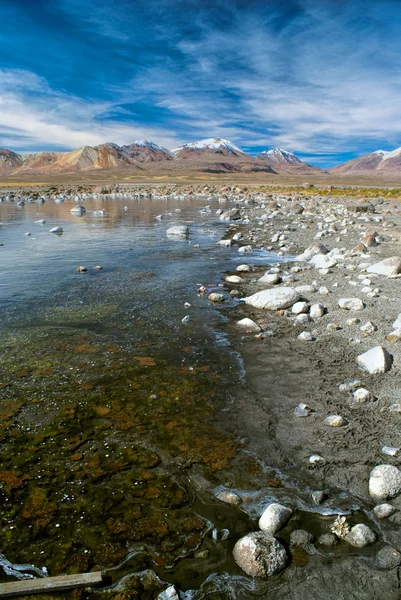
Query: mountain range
point(211, 155)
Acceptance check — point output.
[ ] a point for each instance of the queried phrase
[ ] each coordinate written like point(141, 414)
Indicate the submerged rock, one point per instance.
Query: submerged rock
point(259, 554)
point(179, 230)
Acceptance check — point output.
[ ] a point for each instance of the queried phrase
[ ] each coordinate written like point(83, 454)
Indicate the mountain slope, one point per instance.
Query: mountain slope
point(286, 162)
point(147, 151)
point(378, 161)
point(9, 160)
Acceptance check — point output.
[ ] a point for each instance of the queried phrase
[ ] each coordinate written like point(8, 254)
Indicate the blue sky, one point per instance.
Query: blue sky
point(321, 78)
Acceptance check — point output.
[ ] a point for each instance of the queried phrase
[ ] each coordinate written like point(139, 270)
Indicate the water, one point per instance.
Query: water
point(112, 407)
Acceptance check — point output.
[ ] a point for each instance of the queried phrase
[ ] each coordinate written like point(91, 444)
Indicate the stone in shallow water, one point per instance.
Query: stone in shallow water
point(180, 230)
point(388, 558)
point(360, 536)
point(259, 554)
point(274, 517)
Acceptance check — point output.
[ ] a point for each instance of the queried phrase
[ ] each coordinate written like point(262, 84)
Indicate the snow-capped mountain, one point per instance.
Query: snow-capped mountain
point(147, 151)
point(208, 146)
point(380, 160)
point(283, 161)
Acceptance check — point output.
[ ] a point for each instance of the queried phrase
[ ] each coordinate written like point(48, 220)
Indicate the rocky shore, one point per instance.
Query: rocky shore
point(320, 336)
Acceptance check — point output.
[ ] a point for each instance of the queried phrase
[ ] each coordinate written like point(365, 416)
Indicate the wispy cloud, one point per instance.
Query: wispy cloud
point(317, 77)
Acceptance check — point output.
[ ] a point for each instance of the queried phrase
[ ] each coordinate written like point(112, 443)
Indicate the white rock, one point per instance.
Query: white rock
point(389, 266)
point(316, 459)
point(56, 230)
point(301, 319)
point(169, 593)
point(273, 299)
point(390, 450)
point(259, 554)
point(304, 290)
point(362, 395)
point(300, 307)
point(179, 230)
point(78, 210)
point(224, 243)
point(397, 322)
point(351, 303)
point(249, 325)
point(323, 261)
point(245, 249)
point(384, 482)
point(368, 328)
point(376, 360)
point(334, 421)
point(274, 517)
point(244, 268)
point(382, 511)
point(313, 250)
point(305, 336)
point(302, 410)
point(214, 297)
point(360, 536)
point(233, 279)
point(323, 290)
point(272, 278)
point(316, 311)
point(349, 386)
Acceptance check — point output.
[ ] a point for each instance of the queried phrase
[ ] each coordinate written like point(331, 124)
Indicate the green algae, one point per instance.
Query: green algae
point(88, 423)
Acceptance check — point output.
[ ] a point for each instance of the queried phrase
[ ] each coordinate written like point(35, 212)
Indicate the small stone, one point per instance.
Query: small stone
point(98, 267)
point(384, 482)
point(323, 290)
point(56, 230)
point(334, 421)
point(214, 297)
point(360, 536)
point(178, 230)
point(81, 269)
point(186, 319)
point(362, 395)
point(327, 539)
point(368, 328)
point(348, 386)
point(301, 319)
point(388, 558)
point(244, 269)
point(169, 593)
point(302, 410)
point(224, 243)
point(300, 538)
point(305, 336)
point(316, 311)
point(351, 304)
point(318, 496)
point(274, 517)
point(271, 278)
point(316, 460)
point(382, 511)
point(353, 321)
point(259, 554)
point(394, 336)
point(377, 360)
point(233, 279)
point(229, 497)
point(249, 325)
point(390, 450)
point(300, 307)
point(245, 249)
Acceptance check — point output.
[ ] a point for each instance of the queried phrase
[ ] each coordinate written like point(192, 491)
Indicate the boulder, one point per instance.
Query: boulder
point(274, 299)
point(323, 261)
point(179, 230)
point(351, 303)
point(384, 482)
point(360, 536)
point(259, 554)
point(274, 517)
point(376, 360)
point(389, 266)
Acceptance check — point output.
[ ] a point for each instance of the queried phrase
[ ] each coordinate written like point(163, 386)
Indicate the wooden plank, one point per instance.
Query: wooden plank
point(49, 584)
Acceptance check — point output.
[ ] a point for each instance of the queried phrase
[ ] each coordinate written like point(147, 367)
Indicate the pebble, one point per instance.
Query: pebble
point(300, 307)
point(327, 539)
point(169, 593)
point(81, 269)
point(301, 538)
point(382, 511)
point(377, 360)
point(334, 421)
point(362, 395)
point(214, 297)
point(360, 536)
point(316, 311)
point(229, 497)
point(348, 386)
point(351, 304)
point(302, 410)
point(244, 269)
point(318, 496)
point(305, 336)
point(249, 325)
point(186, 319)
point(316, 459)
point(233, 279)
point(390, 450)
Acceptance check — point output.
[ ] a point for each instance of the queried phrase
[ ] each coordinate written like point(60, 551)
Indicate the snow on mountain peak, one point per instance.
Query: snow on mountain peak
point(149, 144)
point(392, 154)
point(280, 155)
point(210, 144)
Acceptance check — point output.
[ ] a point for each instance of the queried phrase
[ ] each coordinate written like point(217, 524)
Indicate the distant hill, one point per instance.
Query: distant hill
point(378, 161)
point(283, 161)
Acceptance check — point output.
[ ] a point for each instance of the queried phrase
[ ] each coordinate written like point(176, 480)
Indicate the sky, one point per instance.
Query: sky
point(320, 78)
